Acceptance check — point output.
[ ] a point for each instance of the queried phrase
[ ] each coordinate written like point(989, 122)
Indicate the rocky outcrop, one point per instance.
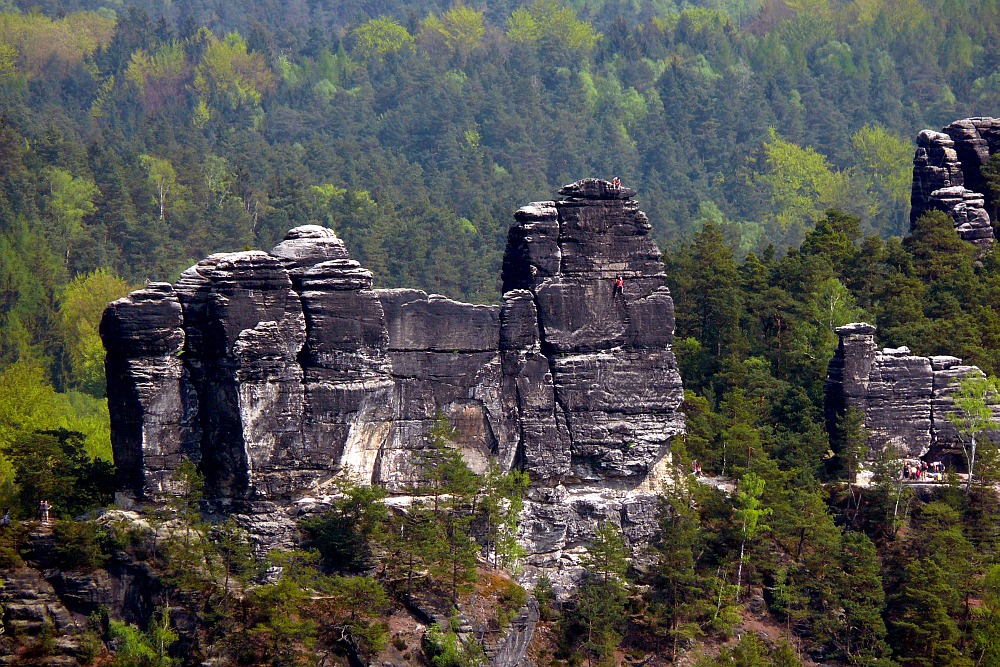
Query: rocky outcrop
point(904, 398)
point(947, 175)
point(281, 372)
point(595, 443)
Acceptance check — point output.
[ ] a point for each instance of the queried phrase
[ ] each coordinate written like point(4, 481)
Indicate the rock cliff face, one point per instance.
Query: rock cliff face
point(947, 175)
point(904, 398)
point(280, 372)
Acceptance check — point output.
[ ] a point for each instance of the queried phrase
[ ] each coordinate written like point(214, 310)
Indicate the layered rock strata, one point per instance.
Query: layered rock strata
point(281, 372)
point(947, 175)
point(904, 398)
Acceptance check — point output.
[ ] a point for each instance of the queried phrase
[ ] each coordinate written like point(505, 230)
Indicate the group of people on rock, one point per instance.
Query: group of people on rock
point(44, 508)
point(922, 471)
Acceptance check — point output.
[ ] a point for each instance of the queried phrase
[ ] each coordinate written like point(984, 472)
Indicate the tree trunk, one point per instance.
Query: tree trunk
point(970, 458)
point(739, 572)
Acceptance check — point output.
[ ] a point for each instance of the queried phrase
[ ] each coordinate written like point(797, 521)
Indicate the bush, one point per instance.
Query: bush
point(78, 545)
point(11, 540)
point(446, 649)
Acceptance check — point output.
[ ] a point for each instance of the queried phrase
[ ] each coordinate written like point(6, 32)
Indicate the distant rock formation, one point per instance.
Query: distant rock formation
point(947, 176)
point(281, 372)
point(905, 399)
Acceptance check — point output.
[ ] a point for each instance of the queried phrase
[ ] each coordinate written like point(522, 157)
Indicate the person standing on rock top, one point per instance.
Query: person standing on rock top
point(616, 183)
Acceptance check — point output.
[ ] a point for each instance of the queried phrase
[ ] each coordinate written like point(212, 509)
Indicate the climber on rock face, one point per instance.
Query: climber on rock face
point(619, 286)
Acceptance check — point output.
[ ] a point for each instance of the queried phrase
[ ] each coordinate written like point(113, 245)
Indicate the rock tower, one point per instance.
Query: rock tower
point(905, 399)
point(282, 372)
point(947, 175)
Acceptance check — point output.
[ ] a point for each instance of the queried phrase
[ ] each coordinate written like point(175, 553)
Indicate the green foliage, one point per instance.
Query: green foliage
point(353, 612)
point(749, 512)
point(446, 649)
point(162, 178)
point(434, 537)
point(500, 505)
point(54, 466)
point(973, 416)
point(70, 199)
point(460, 31)
point(752, 652)
point(802, 186)
point(598, 619)
point(229, 76)
point(144, 649)
point(80, 309)
point(378, 38)
point(552, 24)
point(345, 536)
point(79, 545)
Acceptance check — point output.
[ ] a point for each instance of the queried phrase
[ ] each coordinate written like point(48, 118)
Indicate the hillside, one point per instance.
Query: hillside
point(771, 144)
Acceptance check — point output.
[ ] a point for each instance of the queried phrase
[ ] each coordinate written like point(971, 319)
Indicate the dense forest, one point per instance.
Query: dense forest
point(770, 142)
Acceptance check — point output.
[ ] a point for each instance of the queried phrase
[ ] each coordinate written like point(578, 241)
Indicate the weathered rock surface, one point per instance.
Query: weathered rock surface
point(280, 372)
point(947, 175)
point(904, 398)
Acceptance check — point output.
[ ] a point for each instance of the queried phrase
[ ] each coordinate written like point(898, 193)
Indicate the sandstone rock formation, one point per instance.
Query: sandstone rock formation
point(947, 176)
point(904, 398)
point(281, 372)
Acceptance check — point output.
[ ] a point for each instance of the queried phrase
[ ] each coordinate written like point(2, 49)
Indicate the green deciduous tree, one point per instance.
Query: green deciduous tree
point(884, 160)
point(229, 76)
point(378, 38)
point(80, 309)
point(973, 416)
point(70, 200)
point(144, 649)
point(460, 30)
point(551, 23)
point(502, 499)
point(162, 177)
point(802, 185)
point(749, 513)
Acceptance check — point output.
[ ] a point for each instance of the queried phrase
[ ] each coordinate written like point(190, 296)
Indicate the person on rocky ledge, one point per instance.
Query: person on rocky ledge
point(616, 183)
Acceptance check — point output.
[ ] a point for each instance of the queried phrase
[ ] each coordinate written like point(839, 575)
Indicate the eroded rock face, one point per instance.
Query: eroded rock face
point(904, 398)
point(280, 372)
point(594, 443)
point(947, 175)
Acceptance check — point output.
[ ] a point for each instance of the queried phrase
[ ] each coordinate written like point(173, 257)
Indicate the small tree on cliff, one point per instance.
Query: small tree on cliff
point(600, 608)
point(438, 537)
point(973, 416)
